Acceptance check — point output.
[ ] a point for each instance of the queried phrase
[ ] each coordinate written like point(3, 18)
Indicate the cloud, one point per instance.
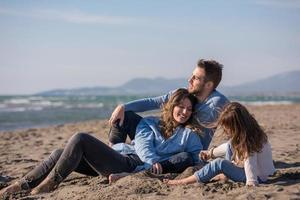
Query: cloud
point(77, 17)
point(295, 4)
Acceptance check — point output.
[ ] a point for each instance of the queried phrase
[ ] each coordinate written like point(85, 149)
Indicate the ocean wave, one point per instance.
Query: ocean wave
point(264, 103)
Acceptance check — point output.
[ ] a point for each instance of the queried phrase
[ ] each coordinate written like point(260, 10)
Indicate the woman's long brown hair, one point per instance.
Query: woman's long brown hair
point(246, 134)
point(167, 122)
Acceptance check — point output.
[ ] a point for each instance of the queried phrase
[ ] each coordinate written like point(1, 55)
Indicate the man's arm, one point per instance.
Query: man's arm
point(140, 105)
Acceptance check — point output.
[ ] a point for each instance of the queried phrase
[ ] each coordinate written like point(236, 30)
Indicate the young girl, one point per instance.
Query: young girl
point(248, 156)
point(164, 144)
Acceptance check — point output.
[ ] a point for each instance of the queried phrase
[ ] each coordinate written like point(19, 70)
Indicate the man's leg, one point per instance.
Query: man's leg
point(118, 134)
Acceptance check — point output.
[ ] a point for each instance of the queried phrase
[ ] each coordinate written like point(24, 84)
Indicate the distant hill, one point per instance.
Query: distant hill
point(281, 84)
point(138, 86)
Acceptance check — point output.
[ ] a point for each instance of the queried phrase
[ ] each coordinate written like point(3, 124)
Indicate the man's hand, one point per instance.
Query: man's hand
point(118, 114)
point(156, 168)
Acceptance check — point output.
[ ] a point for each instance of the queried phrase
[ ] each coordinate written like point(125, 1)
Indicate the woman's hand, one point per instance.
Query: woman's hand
point(156, 168)
point(118, 114)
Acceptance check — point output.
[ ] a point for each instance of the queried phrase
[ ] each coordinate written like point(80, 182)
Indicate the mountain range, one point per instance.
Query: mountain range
point(287, 83)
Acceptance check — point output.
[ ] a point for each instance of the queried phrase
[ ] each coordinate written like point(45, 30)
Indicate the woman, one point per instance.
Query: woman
point(248, 155)
point(165, 144)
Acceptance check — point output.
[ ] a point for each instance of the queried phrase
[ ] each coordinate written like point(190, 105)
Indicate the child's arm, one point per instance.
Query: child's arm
point(250, 166)
point(219, 150)
point(214, 152)
point(188, 180)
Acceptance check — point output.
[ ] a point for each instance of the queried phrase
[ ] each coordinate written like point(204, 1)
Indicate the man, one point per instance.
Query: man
point(203, 83)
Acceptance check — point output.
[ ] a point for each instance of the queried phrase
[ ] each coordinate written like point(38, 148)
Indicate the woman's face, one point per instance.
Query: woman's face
point(183, 111)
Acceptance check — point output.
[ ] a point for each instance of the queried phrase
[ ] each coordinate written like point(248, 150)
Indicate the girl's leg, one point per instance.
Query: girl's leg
point(229, 152)
point(83, 147)
point(177, 163)
point(218, 166)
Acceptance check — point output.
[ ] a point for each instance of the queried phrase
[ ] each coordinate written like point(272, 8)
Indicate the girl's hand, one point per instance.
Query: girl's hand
point(156, 168)
point(205, 155)
point(251, 184)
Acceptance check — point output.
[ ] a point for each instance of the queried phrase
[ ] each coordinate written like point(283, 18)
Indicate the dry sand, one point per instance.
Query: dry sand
point(22, 150)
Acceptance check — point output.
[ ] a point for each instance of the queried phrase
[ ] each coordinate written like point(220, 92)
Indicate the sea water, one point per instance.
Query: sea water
point(19, 112)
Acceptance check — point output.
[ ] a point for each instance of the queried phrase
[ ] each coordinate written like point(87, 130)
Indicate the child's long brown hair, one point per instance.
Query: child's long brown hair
point(167, 122)
point(245, 133)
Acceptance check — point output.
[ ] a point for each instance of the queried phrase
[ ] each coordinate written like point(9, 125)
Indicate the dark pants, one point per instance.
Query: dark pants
point(87, 155)
point(118, 134)
point(84, 154)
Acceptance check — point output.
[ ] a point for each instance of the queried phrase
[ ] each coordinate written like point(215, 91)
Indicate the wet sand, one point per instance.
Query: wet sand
point(22, 150)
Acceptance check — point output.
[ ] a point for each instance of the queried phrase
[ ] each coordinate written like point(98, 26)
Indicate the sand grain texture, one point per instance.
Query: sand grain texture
point(22, 150)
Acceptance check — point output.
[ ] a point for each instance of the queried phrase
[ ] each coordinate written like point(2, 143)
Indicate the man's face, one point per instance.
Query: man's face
point(197, 81)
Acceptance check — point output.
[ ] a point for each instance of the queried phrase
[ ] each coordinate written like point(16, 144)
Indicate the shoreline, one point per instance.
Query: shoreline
point(53, 124)
point(22, 149)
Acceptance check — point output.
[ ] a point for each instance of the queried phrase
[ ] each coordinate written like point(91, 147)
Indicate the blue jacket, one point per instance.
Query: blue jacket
point(151, 147)
point(206, 111)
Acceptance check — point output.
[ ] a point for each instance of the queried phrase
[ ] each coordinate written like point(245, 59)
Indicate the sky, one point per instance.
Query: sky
point(53, 44)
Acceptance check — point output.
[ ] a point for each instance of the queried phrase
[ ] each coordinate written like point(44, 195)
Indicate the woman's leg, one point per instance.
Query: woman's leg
point(35, 176)
point(40, 172)
point(118, 134)
point(83, 147)
point(177, 163)
point(219, 166)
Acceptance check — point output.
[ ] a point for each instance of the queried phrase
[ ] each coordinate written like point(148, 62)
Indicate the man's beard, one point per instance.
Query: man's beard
point(195, 91)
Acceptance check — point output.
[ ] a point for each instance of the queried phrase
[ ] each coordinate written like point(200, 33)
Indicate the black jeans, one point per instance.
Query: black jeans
point(84, 154)
point(87, 155)
point(118, 134)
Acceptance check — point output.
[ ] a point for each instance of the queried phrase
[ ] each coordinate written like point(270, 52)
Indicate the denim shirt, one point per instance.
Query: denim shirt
point(206, 111)
point(152, 147)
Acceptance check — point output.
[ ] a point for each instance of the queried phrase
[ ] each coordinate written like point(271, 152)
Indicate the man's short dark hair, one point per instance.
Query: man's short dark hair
point(213, 70)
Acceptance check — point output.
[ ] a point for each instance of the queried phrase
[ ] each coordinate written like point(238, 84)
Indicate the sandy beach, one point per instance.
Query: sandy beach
point(22, 150)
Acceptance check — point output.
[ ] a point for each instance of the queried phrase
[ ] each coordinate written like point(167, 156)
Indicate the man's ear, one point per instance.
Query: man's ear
point(209, 85)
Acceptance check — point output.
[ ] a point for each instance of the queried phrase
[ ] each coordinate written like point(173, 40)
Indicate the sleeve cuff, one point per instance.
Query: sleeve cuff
point(251, 183)
point(197, 177)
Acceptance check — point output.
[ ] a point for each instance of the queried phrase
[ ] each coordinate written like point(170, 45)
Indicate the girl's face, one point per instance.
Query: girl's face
point(183, 111)
point(227, 132)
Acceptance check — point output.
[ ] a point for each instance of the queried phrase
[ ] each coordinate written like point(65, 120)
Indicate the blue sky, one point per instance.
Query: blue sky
point(67, 44)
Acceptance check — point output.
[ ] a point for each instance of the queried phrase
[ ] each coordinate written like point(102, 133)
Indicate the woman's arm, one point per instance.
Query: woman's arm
point(194, 146)
point(144, 144)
